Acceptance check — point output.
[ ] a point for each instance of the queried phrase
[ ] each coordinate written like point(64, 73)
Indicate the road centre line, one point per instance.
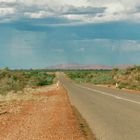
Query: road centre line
point(107, 94)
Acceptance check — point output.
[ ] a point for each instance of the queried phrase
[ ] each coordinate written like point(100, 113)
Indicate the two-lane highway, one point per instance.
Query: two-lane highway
point(111, 114)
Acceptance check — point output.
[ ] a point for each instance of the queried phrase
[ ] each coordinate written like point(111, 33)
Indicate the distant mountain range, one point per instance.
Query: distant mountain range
point(86, 67)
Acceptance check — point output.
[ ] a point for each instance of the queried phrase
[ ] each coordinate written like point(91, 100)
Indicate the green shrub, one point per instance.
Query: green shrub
point(127, 78)
point(17, 80)
point(103, 79)
point(96, 76)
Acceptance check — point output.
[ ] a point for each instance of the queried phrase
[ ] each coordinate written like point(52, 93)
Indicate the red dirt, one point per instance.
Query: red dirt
point(50, 118)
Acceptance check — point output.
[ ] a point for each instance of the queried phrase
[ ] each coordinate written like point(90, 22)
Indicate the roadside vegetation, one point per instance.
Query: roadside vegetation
point(92, 76)
point(17, 80)
point(125, 78)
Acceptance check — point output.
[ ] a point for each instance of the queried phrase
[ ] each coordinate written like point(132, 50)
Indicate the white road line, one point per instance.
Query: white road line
point(105, 93)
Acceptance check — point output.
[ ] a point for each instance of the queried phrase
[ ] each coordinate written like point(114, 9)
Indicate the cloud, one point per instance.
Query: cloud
point(81, 11)
point(39, 14)
point(6, 11)
point(130, 46)
point(84, 10)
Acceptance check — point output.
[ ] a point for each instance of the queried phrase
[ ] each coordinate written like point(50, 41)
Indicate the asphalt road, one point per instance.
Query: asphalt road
point(111, 114)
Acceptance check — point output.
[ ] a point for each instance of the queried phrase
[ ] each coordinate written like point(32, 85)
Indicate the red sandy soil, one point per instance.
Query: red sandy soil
point(51, 118)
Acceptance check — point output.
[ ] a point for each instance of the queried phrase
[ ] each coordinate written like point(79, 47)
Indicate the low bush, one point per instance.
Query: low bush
point(17, 80)
point(126, 78)
point(96, 76)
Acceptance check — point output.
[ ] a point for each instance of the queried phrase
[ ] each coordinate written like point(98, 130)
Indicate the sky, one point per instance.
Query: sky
point(42, 33)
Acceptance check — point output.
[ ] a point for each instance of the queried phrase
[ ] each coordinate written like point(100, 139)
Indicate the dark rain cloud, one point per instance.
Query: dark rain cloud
point(85, 10)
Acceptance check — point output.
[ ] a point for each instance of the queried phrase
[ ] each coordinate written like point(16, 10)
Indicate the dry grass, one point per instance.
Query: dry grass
point(26, 94)
point(18, 80)
point(126, 78)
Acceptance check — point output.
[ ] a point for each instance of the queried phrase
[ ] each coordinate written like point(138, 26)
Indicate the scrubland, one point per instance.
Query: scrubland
point(125, 78)
point(18, 80)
